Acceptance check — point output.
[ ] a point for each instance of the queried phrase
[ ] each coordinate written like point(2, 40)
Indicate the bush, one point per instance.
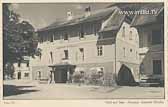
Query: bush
point(77, 78)
point(96, 79)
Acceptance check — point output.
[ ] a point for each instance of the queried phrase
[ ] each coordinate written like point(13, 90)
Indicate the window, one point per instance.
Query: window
point(142, 68)
point(26, 74)
point(19, 64)
point(51, 38)
point(39, 75)
point(157, 67)
point(66, 36)
point(66, 54)
point(130, 36)
point(124, 52)
point(156, 37)
point(82, 53)
point(99, 50)
point(27, 64)
point(130, 50)
point(81, 34)
point(123, 32)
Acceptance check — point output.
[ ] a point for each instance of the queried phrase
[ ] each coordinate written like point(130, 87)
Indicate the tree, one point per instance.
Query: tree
point(19, 38)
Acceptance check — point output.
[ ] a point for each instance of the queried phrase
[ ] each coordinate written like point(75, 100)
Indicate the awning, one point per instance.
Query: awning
point(62, 66)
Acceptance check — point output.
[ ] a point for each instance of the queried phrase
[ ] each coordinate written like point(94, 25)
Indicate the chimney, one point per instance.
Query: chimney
point(69, 15)
point(87, 11)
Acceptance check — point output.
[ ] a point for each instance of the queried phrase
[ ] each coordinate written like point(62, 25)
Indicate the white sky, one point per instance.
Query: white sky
point(43, 14)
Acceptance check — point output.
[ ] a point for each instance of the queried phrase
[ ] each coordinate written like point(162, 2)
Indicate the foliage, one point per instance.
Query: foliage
point(96, 78)
point(77, 77)
point(19, 37)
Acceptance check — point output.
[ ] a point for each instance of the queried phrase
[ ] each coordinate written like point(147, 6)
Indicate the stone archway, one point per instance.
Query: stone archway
point(125, 77)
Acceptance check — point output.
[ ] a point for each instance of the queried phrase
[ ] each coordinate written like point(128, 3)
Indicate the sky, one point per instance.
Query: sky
point(42, 14)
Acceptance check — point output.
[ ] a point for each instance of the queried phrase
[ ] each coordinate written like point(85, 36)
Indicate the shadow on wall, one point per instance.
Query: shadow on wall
point(9, 90)
point(125, 77)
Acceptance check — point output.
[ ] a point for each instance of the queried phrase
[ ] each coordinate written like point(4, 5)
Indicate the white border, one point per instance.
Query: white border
point(85, 103)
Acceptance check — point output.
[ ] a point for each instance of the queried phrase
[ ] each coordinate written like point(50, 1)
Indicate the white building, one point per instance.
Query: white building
point(101, 39)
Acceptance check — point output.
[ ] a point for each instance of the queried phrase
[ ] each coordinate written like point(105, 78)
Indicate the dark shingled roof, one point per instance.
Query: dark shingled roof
point(95, 15)
point(143, 19)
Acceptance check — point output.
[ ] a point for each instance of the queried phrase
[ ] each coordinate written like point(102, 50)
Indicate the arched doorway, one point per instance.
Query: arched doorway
point(125, 77)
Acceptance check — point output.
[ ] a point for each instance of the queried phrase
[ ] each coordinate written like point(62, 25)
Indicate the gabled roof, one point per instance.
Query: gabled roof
point(143, 19)
point(128, 7)
point(95, 15)
point(114, 22)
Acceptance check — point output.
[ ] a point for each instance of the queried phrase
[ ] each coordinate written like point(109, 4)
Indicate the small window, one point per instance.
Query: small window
point(27, 64)
point(142, 68)
point(19, 64)
point(81, 33)
point(66, 54)
point(51, 38)
point(26, 74)
point(39, 75)
point(157, 67)
point(82, 53)
point(130, 36)
point(124, 52)
point(99, 50)
point(130, 50)
point(66, 36)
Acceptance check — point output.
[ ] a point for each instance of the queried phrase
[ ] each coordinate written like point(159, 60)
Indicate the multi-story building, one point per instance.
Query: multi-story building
point(102, 40)
point(151, 41)
point(22, 69)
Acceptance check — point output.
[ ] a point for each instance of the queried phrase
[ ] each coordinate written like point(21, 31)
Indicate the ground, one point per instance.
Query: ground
point(14, 89)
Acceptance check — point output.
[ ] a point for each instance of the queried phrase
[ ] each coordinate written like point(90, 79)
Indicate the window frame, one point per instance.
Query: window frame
point(66, 55)
point(66, 37)
point(100, 51)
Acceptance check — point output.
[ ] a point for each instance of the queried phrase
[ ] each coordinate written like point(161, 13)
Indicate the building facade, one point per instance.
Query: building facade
point(151, 42)
point(22, 70)
point(101, 40)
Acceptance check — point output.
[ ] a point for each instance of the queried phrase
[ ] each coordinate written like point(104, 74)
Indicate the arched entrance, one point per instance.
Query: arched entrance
point(125, 77)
